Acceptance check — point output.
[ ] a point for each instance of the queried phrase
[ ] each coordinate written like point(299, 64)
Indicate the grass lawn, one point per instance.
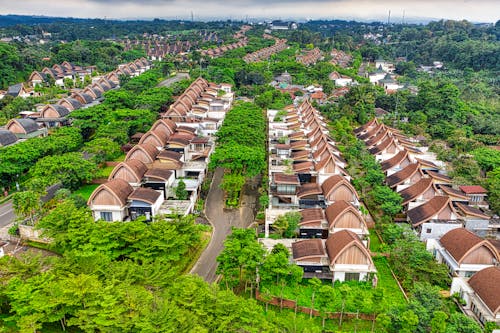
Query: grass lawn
point(104, 172)
point(120, 158)
point(375, 243)
point(360, 296)
point(86, 190)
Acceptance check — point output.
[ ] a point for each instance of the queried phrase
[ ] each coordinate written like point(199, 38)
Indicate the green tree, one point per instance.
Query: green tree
point(26, 205)
point(180, 191)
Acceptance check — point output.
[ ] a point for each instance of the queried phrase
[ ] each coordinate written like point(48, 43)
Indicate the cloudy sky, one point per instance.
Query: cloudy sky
point(473, 10)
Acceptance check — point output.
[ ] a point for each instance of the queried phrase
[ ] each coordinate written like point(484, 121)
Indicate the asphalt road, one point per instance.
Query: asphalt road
point(178, 77)
point(222, 221)
point(6, 214)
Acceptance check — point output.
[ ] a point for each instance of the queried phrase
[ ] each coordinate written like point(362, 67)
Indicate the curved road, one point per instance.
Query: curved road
point(222, 220)
point(7, 217)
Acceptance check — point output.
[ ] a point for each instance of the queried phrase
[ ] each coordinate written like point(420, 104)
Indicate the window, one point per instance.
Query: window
point(107, 216)
point(286, 189)
point(428, 230)
point(351, 277)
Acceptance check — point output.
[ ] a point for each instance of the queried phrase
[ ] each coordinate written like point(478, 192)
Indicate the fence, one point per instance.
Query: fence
point(290, 304)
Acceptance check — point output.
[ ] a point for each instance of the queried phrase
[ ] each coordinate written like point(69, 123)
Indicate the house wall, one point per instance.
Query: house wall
point(141, 156)
point(126, 175)
point(432, 230)
point(481, 255)
point(446, 214)
point(349, 220)
point(352, 256)
point(118, 214)
point(341, 193)
point(479, 227)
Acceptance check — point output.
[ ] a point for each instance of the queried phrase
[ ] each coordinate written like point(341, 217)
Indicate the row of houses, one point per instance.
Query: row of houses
point(452, 220)
point(307, 175)
point(262, 54)
point(36, 123)
point(340, 58)
point(159, 49)
point(175, 150)
point(310, 57)
point(218, 51)
point(432, 203)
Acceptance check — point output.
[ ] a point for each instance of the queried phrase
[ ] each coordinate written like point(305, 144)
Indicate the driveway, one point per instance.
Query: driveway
point(222, 220)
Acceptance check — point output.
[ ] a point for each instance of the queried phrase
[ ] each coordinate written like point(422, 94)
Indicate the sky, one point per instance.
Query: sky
point(472, 10)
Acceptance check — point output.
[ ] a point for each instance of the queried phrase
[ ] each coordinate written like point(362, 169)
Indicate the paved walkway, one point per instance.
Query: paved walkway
point(222, 220)
point(7, 218)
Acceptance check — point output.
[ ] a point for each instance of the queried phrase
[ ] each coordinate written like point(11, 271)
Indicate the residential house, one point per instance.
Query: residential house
point(411, 174)
point(25, 128)
point(338, 188)
point(475, 220)
point(481, 294)
point(313, 223)
point(343, 215)
point(109, 202)
point(476, 194)
point(434, 218)
point(418, 193)
point(146, 153)
point(463, 252)
point(349, 259)
point(53, 115)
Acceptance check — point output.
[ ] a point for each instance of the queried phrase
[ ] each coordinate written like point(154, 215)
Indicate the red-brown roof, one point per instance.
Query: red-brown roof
point(473, 189)
point(136, 167)
point(440, 176)
point(453, 193)
point(333, 182)
point(309, 189)
point(467, 210)
point(145, 194)
point(413, 191)
point(118, 188)
point(304, 166)
point(340, 241)
point(281, 178)
point(426, 211)
point(395, 160)
point(485, 284)
point(337, 209)
point(400, 176)
point(308, 248)
point(312, 215)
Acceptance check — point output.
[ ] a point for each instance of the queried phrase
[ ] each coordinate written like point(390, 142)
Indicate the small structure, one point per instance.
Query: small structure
point(342, 215)
point(476, 194)
point(338, 188)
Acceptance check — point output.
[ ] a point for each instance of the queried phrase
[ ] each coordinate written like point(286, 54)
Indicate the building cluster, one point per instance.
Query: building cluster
point(58, 73)
point(452, 220)
point(340, 58)
point(341, 80)
point(36, 123)
point(174, 152)
point(157, 49)
point(309, 57)
point(265, 53)
point(307, 175)
point(282, 25)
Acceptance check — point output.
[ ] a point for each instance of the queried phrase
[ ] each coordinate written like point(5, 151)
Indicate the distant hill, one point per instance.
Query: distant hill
point(10, 20)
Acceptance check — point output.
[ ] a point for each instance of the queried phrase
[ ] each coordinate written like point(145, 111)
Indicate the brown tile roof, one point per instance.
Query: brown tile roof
point(426, 211)
point(298, 144)
point(427, 163)
point(337, 209)
point(145, 194)
point(308, 248)
point(413, 191)
point(136, 167)
point(312, 215)
point(400, 176)
point(281, 178)
point(453, 193)
point(309, 189)
point(304, 166)
point(117, 187)
point(372, 132)
point(170, 155)
point(158, 174)
point(395, 160)
point(472, 211)
point(300, 155)
point(340, 241)
point(147, 148)
point(372, 122)
point(298, 134)
point(439, 176)
point(333, 182)
point(282, 146)
point(473, 189)
point(158, 136)
point(485, 284)
point(381, 146)
point(378, 138)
